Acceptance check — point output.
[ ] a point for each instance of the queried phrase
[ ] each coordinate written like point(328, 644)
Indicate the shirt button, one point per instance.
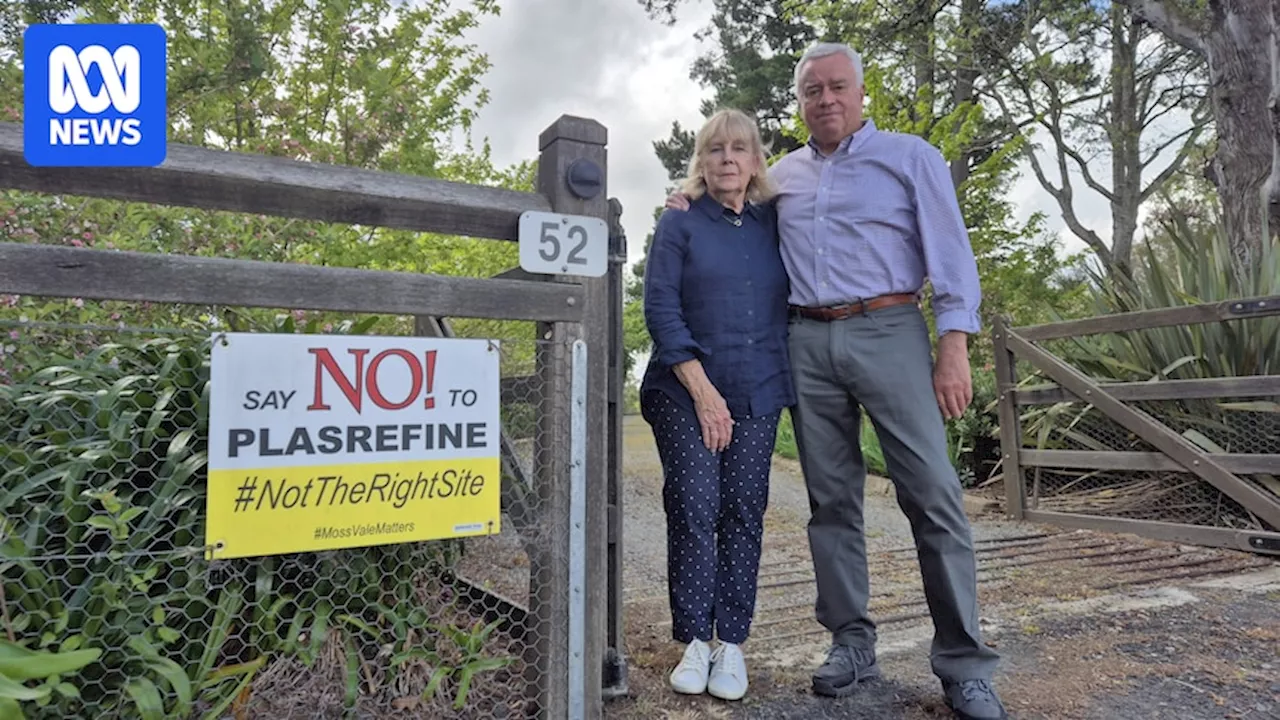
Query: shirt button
point(820, 251)
point(751, 312)
point(750, 341)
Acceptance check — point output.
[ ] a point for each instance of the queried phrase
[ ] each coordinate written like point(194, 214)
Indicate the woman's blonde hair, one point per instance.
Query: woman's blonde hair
point(729, 125)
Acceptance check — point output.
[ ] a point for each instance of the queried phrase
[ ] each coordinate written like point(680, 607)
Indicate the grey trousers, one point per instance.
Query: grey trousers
point(882, 362)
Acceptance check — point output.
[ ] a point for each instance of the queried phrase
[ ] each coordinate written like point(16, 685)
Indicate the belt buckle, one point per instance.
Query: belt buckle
point(851, 308)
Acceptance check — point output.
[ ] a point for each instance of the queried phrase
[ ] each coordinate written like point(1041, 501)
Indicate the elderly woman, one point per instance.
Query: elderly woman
point(718, 378)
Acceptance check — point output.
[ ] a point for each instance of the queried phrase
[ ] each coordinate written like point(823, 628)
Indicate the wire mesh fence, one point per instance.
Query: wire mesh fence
point(111, 596)
point(1244, 425)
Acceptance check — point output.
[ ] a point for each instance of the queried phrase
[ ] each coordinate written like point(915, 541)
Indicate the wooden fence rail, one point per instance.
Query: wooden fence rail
point(56, 271)
point(245, 182)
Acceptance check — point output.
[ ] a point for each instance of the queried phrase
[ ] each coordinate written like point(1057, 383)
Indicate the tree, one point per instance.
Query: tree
point(1240, 43)
point(921, 66)
point(757, 45)
point(1052, 77)
point(1186, 207)
point(372, 84)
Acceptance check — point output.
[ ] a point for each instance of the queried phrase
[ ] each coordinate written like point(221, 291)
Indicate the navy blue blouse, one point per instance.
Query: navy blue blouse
point(717, 292)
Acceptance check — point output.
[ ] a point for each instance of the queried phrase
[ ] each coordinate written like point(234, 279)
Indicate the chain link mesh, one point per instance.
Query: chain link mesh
point(1222, 425)
point(103, 437)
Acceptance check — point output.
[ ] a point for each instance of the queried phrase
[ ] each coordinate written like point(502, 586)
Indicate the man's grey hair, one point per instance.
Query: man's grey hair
point(823, 50)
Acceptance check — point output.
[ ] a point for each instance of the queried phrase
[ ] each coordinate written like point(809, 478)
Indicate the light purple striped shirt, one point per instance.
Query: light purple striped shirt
point(874, 218)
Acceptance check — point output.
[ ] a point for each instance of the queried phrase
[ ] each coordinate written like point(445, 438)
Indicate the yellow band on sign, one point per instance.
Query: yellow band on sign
point(310, 508)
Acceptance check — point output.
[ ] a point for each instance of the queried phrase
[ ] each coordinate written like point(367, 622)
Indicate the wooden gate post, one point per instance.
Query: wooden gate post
point(614, 676)
point(572, 174)
point(1010, 423)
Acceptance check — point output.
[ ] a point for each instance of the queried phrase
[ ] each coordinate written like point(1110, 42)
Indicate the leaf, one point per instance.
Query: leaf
point(352, 685)
point(433, 685)
point(172, 672)
point(16, 691)
point(10, 710)
point(363, 325)
point(248, 670)
point(1199, 438)
point(101, 522)
point(229, 671)
point(359, 624)
point(147, 699)
point(19, 663)
point(177, 678)
point(428, 656)
point(487, 664)
point(1178, 363)
point(1269, 482)
point(1122, 365)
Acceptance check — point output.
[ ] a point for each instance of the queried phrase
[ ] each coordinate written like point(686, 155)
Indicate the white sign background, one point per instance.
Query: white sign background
point(560, 244)
point(281, 362)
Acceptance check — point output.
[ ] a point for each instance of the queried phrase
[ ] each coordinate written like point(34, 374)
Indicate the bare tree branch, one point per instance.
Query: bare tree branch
point(1157, 183)
point(1080, 117)
point(1167, 105)
point(1147, 80)
point(1063, 194)
point(1089, 180)
point(1166, 17)
point(1189, 135)
point(1052, 122)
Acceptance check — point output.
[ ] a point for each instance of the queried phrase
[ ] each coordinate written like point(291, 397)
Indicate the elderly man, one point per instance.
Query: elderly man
point(864, 215)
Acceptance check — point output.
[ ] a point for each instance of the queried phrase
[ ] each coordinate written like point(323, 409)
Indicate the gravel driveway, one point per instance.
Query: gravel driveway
point(1090, 625)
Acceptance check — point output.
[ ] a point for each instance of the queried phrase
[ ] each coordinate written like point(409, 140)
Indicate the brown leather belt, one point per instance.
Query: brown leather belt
point(840, 312)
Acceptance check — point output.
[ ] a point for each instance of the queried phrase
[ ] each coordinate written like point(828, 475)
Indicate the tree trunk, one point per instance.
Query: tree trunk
point(1238, 47)
point(1273, 105)
point(966, 77)
point(922, 57)
point(1238, 39)
point(1124, 131)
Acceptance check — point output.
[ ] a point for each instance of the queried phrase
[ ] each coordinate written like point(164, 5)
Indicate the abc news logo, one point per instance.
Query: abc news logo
point(69, 90)
point(95, 95)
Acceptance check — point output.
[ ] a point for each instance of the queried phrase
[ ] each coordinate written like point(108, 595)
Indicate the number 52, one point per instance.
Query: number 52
point(548, 237)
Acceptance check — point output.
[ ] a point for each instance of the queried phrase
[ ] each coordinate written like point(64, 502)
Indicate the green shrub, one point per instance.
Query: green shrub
point(102, 503)
point(1193, 266)
point(1197, 269)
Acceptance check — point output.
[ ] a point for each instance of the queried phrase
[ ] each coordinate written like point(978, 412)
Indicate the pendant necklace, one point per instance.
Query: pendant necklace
point(735, 220)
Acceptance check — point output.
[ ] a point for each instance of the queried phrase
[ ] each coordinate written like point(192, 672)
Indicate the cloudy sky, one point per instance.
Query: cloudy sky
point(605, 59)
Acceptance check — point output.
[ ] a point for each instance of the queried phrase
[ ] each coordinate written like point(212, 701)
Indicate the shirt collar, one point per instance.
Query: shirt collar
point(853, 140)
point(714, 209)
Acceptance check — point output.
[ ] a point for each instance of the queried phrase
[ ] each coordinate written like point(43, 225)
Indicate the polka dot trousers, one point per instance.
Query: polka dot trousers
point(715, 504)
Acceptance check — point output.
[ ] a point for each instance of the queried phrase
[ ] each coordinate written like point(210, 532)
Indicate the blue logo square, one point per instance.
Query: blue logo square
point(95, 95)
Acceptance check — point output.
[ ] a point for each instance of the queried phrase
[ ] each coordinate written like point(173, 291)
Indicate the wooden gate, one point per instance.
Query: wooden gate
point(1182, 456)
point(559, 622)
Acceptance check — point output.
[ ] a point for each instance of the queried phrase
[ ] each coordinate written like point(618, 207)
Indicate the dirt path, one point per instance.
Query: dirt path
point(1089, 625)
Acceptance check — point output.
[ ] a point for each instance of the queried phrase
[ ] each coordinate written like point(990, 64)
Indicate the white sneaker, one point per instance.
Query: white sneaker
point(728, 673)
point(690, 676)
